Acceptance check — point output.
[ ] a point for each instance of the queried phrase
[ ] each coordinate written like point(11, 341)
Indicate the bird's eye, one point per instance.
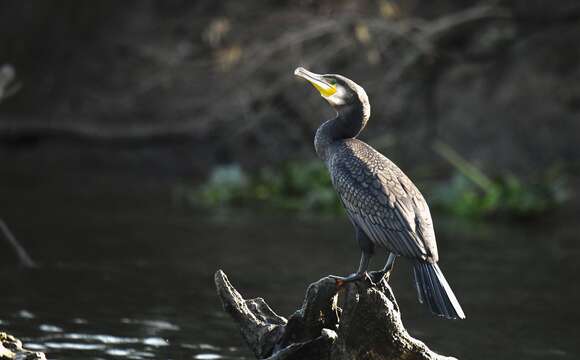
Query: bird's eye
point(331, 81)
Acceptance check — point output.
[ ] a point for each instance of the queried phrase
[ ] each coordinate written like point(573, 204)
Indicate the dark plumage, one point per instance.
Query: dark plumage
point(385, 207)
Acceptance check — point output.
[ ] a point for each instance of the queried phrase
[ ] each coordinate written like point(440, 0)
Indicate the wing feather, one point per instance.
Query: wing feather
point(382, 201)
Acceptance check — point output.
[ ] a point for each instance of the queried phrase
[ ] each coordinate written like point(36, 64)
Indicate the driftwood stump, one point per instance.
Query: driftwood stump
point(358, 321)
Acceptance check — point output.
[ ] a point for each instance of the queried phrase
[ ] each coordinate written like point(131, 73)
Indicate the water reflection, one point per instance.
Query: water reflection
point(130, 278)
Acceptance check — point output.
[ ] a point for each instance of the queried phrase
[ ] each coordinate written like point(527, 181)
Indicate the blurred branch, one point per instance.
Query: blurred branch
point(442, 26)
point(243, 89)
point(85, 128)
point(261, 53)
point(465, 167)
point(426, 36)
point(8, 86)
point(23, 256)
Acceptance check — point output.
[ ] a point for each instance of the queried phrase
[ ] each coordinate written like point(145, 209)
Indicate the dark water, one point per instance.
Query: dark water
point(126, 273)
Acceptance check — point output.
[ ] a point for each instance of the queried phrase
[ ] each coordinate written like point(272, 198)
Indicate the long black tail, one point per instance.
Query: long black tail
point(433, 289)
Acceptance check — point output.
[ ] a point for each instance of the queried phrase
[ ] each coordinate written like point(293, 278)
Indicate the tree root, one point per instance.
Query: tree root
point(356, 321)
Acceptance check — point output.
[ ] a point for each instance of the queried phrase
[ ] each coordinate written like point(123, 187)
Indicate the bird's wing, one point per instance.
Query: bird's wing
point(383, 202)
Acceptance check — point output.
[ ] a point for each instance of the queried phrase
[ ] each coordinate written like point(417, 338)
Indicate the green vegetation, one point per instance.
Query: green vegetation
point(306, 188)
point(294, 187)
point(471, 193)
point(506, 196)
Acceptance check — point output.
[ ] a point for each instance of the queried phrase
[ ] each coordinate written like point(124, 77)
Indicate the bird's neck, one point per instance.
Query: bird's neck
point(348, 123)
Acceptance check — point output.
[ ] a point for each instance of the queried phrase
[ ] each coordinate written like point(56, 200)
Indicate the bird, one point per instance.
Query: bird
point(384, 206)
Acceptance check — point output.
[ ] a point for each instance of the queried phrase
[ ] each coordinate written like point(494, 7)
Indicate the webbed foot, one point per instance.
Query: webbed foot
point(341, 280)
point(377, 277)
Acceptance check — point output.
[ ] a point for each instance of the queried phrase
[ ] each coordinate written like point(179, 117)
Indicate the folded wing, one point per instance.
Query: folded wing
point(383, 202)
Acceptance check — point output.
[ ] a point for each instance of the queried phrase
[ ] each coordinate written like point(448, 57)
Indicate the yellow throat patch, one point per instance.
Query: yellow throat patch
point(325, 91)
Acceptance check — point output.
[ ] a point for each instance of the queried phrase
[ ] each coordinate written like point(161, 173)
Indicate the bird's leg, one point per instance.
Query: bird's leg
point(359, 274)
point(378, 276)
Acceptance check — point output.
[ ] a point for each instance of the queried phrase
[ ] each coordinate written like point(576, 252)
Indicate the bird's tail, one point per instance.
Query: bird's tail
point(433, 289)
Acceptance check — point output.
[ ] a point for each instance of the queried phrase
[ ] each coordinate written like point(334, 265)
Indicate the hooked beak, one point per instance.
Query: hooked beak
point(325, 88)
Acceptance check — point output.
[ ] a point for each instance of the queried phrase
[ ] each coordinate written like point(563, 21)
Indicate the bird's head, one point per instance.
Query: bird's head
point(339, 91)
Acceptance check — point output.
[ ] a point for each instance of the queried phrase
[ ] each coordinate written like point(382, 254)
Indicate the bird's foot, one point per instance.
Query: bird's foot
point(376, 277)
point(341, 280)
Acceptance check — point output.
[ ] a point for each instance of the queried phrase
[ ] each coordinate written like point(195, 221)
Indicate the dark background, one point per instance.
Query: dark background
point(501, 88)
point(111, 111)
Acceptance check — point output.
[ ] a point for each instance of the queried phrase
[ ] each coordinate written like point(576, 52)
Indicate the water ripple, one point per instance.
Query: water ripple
point(208, 356)
point(156, 324)
point(49, 328)
point(130, 353)
point(110, 339)
point(74, 346)
point(25, 314)
point(201, 346)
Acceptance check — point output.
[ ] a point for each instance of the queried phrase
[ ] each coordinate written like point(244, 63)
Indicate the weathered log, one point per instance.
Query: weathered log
point(358, 320)
point(11, 349)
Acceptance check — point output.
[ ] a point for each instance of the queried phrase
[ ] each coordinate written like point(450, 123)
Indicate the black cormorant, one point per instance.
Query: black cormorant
point(384, 206)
